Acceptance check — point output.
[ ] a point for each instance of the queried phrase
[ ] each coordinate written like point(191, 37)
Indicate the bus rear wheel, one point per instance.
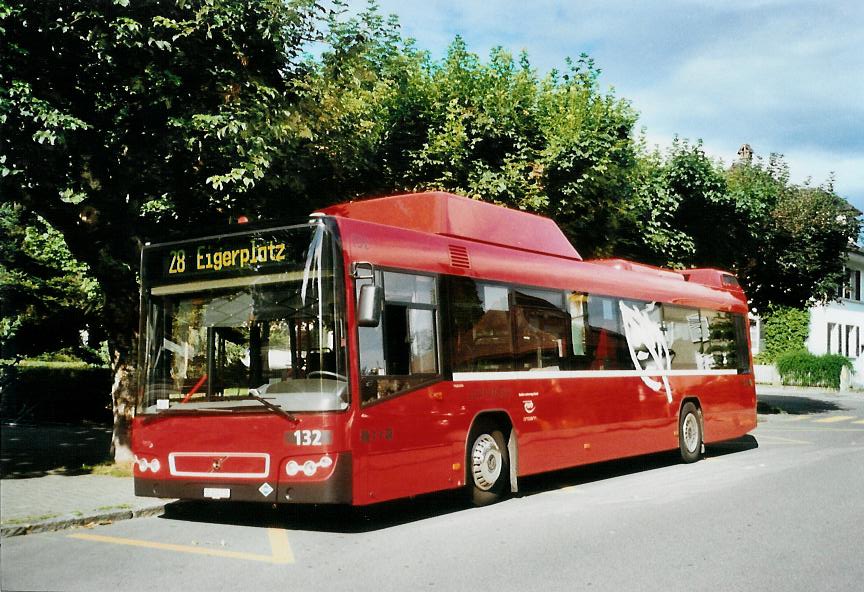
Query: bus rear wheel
point(690, 433)
point(488, 465)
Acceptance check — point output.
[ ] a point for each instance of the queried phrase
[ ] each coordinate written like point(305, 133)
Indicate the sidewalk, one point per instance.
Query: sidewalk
point(55, 502)
point(45, 487)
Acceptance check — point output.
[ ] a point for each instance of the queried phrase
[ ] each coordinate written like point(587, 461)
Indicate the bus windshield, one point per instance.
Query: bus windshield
point(264, 331)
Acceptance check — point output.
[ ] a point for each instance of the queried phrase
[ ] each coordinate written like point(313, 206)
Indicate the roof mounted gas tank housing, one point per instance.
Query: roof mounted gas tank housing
point(623, 264)
point(446, 214)
point(716, 278)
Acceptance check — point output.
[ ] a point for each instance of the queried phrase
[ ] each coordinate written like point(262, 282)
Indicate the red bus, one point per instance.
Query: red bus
point(416, 343)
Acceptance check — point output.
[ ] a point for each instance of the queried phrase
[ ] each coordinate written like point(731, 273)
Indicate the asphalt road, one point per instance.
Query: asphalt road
point(782, 509)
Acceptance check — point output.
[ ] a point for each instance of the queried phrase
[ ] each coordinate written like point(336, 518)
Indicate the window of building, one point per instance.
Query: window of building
point(851, 287)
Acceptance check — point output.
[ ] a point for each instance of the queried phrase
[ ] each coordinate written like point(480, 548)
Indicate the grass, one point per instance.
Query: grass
point(29, 519)
point(109, 469)
point(117, 507)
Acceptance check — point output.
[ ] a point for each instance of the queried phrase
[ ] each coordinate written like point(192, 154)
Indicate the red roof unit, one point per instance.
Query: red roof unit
point(716, 278)
point(456, 216)
point(639, 268)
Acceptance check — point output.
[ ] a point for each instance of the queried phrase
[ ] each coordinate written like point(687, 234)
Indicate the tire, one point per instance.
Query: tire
point(487, 465)
point(690, 433)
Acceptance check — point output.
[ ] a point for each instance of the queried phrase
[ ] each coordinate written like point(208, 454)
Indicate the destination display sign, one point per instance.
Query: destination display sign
point(229, 255)
point(216, 257)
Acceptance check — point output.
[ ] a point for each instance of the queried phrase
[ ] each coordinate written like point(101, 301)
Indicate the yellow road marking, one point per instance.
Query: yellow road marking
point(834, 419)
point(280, 548)
point(860, 421)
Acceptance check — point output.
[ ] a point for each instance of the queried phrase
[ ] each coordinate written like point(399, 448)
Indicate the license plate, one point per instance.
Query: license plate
point(217, 493)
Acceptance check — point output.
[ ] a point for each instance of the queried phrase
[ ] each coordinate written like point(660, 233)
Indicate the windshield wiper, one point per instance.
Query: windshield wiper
point(254, 394)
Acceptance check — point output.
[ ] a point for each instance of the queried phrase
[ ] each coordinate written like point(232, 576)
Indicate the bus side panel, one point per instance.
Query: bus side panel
point(567, 422)
point(589, 420)
point(408, 445)
point(728, 406)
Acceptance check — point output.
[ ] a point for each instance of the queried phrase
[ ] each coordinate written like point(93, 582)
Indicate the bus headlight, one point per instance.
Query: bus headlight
point(316, 468)
point(143, 464)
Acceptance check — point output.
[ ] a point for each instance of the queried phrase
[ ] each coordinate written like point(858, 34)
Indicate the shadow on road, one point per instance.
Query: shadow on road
point(346, 519)
point(36, 450)
point(323, 518)
point(775, 404)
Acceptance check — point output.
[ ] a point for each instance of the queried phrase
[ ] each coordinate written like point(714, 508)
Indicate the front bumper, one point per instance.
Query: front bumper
point(335, 490)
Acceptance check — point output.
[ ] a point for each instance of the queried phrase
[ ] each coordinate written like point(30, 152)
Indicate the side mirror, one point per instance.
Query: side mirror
point(369, 305)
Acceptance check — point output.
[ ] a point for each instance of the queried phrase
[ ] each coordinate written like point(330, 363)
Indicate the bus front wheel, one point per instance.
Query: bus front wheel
point(488, 465)
point(690, 433)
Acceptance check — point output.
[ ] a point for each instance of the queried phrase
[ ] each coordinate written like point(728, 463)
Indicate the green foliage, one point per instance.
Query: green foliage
point(55, 391)
point(383, 117)
point(48, 297)
point(784, 330)
point(786, 243)
point(679, 199)
point(133, 121)
point(806, 369)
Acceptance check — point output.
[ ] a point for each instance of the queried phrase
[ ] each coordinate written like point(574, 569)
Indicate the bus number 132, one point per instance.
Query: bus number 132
point(307, 437)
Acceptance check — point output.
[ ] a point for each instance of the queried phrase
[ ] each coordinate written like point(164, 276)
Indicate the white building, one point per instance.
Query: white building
point(837, 327)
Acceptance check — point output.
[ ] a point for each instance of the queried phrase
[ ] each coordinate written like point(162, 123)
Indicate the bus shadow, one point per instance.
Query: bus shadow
point(352, 520)
point(320, 518)
point(777, 404)
point(585, 474)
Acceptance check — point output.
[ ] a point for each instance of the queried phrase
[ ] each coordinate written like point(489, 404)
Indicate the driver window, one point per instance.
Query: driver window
point(402, 351)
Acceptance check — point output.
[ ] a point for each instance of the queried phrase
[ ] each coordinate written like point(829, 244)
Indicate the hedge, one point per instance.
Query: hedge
point(805, 369)
point(784, 330)
point(56, 392)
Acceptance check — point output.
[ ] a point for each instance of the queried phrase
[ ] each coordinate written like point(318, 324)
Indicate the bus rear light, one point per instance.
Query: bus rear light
point(319, 468)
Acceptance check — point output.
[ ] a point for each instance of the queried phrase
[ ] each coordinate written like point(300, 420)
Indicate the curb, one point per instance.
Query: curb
point(73, 521)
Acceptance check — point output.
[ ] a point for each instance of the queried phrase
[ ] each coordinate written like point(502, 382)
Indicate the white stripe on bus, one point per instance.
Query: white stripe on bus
point(565, 374)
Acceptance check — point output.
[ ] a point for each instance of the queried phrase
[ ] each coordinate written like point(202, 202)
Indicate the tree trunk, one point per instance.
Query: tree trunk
point(123, 402)
point(121, 316)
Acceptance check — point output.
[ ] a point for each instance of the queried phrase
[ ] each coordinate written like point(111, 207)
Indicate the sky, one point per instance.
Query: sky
point(785, 76)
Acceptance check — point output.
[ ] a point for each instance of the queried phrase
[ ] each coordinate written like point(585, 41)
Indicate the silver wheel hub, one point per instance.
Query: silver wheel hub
point(485, 462)
point(690, 430)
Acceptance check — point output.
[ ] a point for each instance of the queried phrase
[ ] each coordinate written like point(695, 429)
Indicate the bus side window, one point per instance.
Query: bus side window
point(402, 351)
point(541, 328)
point(607, 344)
point(720, 348)
point(742, 327)
point(480, 326)
point(683, 329)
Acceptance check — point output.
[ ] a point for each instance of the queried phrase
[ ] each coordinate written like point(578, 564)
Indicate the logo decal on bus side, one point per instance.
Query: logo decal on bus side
point(648, 348)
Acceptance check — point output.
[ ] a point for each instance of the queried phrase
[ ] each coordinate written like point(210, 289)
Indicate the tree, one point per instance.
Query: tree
point(391, 119)
point(124, 121)
point(47, 297)
point(785, 242)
